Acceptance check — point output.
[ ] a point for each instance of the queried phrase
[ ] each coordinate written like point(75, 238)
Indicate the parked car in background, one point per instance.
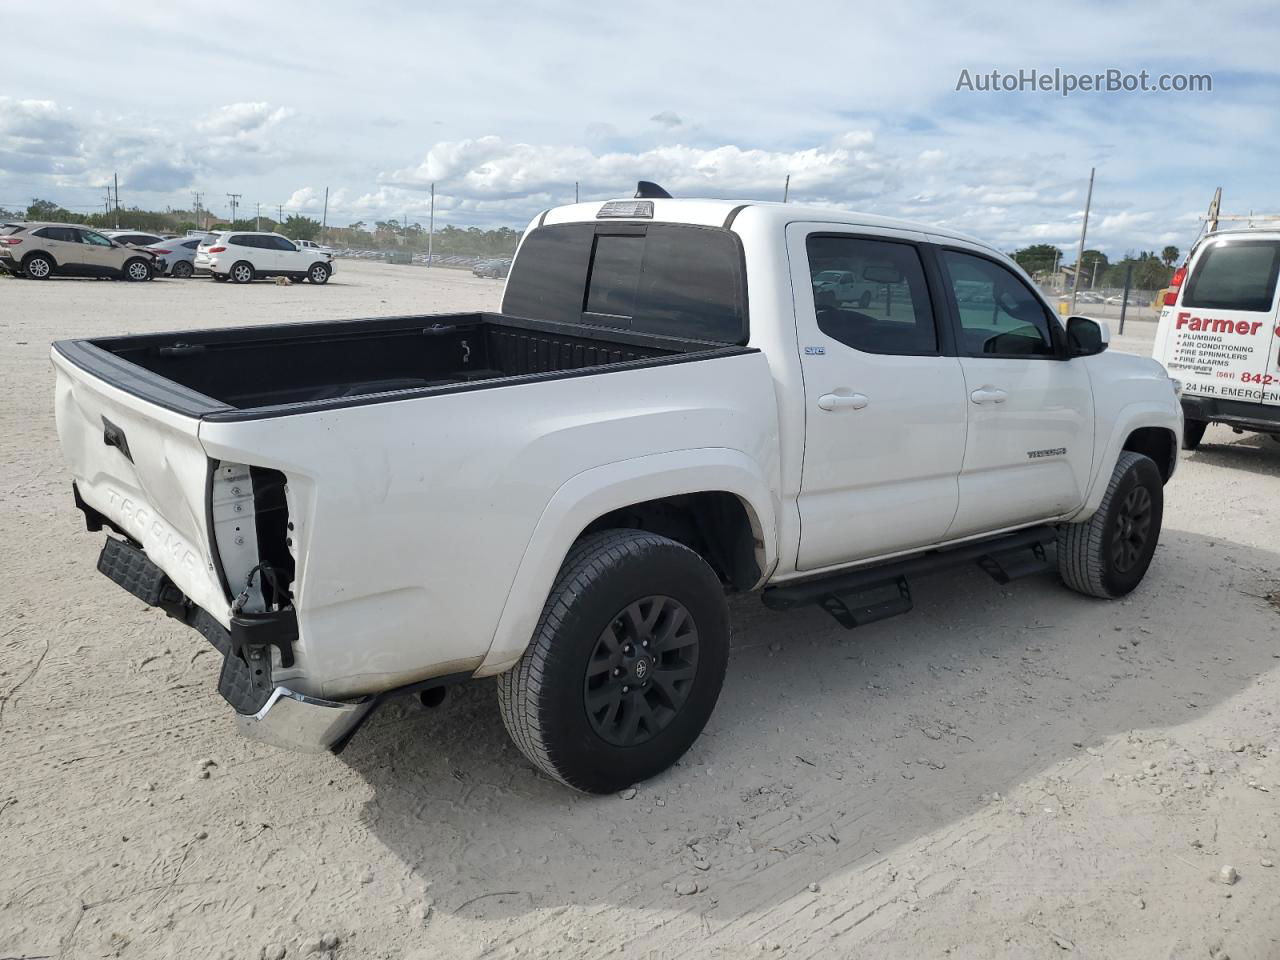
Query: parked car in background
point(492, 269)
point(1219, 333)
point(133, 238)
point(41, 250)
point(176, 257)
point(314, 247)
point(244, 256)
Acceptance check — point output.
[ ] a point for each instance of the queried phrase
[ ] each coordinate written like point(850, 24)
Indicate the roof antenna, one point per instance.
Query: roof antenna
point(647, 190)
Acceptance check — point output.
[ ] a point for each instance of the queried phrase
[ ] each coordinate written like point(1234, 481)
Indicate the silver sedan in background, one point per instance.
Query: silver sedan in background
point(176, 257)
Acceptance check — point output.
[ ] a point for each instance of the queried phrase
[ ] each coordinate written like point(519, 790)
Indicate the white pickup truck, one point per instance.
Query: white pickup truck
point(562, 494)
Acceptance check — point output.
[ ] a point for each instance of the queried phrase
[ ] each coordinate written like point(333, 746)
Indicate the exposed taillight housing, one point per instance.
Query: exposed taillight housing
point(216, 250)
point(157, 250)
point(1171, 292)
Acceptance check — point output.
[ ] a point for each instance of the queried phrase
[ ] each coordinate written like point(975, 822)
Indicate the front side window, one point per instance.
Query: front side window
point(999, 315)
point(94, 239)
point(1235, 275)
point(283, 244)
point(871, 295)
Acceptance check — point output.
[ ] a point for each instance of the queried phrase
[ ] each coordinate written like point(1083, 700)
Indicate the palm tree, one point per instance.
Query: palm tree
point(1169, 255)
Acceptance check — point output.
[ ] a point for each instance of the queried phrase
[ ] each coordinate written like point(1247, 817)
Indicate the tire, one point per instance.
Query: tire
point(136, 270)
point(564, 702)
point(38, 266)
point(182, 270)
point(319, 273)
point(242, 272)
point(864, 301)
point(1193, 433)
point(1091, 558)
point(220, 277)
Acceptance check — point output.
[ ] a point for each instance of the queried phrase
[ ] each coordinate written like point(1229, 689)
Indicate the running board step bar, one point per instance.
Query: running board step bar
point(858, 597)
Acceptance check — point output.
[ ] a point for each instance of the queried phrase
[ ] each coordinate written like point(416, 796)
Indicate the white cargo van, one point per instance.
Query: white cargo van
point(1219, 333)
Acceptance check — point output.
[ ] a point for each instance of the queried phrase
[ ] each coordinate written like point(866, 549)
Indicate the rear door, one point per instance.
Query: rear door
point(884, 407)
point(1221, 338)
point(1029, 450)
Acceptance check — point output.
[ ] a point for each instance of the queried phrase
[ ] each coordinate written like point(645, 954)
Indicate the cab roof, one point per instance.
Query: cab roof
point(716, 213)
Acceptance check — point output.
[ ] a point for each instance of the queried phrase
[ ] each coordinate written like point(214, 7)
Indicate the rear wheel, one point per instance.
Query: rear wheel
point(38, 266)
point(241, 272)
point(864, 301)
point(625, 665)
point(137, 269)
point(182, 270)
point(1108, 554)
point(319, 273)
point(1193, 433)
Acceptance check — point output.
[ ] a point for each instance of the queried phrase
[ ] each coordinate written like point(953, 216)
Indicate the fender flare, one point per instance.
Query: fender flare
point(595, 492)
point(1131, 417)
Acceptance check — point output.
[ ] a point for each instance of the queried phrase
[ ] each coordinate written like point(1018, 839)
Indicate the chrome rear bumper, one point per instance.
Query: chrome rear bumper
point(298, 722)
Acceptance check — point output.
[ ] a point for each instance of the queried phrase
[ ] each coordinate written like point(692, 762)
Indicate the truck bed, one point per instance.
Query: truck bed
point(252, 372)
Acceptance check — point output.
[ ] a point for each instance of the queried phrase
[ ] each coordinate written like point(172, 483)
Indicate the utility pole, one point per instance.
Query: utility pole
point(1094, 282)
point(106, 204)
point(1084, 229)
point(324, 220)
point(575, 191)
point(280, 213)
point(431, 224)
point(235, 199)
point(116, 180)
point(196, 210)
point(786, 188)
point(257, 216)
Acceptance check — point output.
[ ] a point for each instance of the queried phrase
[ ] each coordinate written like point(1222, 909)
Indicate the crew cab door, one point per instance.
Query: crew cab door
point(884, 408)
point(1029, 447)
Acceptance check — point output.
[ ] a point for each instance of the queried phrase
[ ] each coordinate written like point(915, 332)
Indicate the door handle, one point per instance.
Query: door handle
point(989, 394)
point(835, 401)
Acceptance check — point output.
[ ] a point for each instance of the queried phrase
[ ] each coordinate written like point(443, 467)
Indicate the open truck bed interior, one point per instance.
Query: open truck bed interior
point(249, 372)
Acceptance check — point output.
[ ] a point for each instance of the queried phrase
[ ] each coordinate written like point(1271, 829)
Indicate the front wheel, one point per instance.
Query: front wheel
point(318, 273)
point(625, 665)
point(137, 270)
point(1108, 554)
point(182, 270)
point(1193, 433)
point(864, 301)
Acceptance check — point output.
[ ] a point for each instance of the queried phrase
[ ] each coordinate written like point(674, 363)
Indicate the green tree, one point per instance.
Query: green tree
point(1038, 258)
point(1169, 255)
point(1091, 261)
point(49, 211)
point(300, 228)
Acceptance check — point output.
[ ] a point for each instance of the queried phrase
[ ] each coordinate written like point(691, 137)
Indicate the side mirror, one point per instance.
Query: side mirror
point(1086, 337)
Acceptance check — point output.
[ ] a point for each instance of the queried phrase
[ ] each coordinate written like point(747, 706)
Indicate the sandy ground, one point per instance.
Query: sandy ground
point(1008, 772)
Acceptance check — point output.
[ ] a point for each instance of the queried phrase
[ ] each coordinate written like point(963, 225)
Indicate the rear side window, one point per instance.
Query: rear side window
point(1236, 275)
point(667, 279)
point(9, 231)
point(246, 241)
point(871, 295)
point(192, 244)
point(64, 234)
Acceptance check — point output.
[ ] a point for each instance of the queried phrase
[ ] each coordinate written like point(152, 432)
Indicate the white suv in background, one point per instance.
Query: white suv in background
point(244, 256)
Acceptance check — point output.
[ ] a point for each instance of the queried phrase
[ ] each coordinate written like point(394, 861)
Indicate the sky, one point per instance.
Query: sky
point(503, 106)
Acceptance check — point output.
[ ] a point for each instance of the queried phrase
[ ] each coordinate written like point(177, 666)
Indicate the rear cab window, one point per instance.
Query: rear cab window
point(658, 278)
point(1235, 275)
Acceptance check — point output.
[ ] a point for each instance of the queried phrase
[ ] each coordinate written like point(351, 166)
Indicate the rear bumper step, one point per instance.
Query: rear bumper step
point(265, 711)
